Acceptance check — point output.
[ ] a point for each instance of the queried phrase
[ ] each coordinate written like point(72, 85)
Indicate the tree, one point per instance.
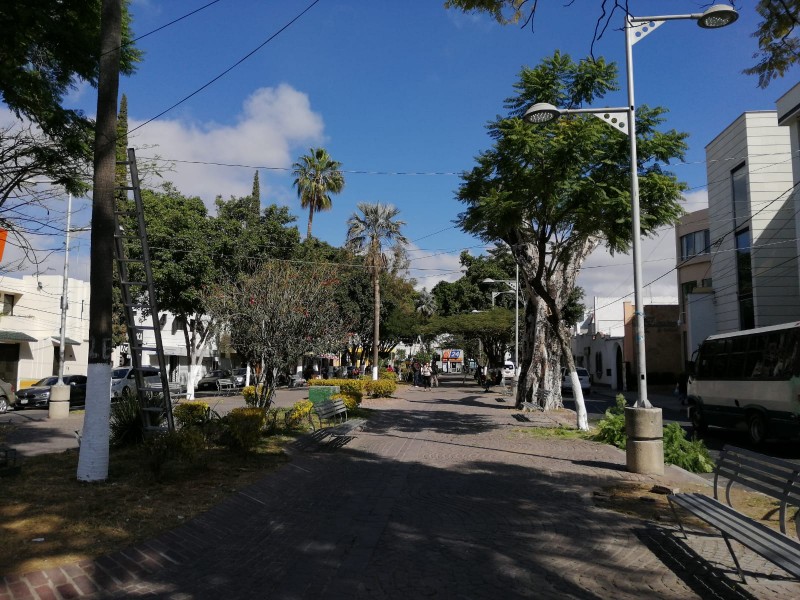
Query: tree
point(46, 49)
point(553, 193)
point(778, 44)
point(317, 176)
point(366, 236)
point(494, 328)
point(276, 314)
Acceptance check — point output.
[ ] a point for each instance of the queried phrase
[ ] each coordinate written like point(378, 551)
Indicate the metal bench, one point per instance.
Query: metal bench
point(334, 414)
point(773, 477)
point(542, 396)
point(226, 385)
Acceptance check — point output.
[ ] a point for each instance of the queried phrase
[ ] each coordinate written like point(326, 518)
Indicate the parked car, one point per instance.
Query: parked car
point(123, 379)
point(38, 395)
point(211, 380)
point(7, 397)
point(238, 376)
point(583, 376)
point(508, 370)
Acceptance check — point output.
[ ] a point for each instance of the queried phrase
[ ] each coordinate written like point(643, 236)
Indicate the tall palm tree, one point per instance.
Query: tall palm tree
point(317, 176)
point(426, 303)
point(366, 235)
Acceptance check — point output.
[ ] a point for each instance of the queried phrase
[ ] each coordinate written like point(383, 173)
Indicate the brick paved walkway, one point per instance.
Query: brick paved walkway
point(441, 496)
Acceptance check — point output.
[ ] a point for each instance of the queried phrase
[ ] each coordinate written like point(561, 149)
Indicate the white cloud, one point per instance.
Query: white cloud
point(429, 268)
point(274, 122)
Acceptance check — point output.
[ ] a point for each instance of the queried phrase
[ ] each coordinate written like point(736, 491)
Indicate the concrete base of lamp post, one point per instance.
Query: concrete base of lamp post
point(59, 402)
point(644, 451)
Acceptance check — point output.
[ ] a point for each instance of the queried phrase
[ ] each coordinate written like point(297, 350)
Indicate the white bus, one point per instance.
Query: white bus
point(748, 380)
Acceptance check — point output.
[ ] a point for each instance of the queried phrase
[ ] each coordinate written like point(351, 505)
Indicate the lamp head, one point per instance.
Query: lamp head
point(541, 112)
point(719, 15)
point(488, 280)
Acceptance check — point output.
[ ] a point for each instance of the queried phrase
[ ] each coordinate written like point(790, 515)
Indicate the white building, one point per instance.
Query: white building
point(30, 327)
point(789, 117)
point(751, 216)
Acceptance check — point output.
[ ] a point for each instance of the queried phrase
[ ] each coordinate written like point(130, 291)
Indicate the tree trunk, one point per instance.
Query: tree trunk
point(94, 451)
point(310, 220)
point(376, 325)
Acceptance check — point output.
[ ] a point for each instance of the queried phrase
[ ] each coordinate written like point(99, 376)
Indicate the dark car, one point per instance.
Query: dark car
point(211, 380)
point(38, 395)
point(7, 397)
point(239, 376)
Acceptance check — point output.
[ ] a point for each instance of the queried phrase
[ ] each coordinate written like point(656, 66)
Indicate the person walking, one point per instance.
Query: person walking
point(425, 371)
point(416, 367)
point(434, 375)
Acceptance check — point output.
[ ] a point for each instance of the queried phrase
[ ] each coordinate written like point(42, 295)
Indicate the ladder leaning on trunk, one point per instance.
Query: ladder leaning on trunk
point(131, 249)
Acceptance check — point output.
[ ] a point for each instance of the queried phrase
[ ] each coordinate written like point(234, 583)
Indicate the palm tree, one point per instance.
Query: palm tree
point(317, 176)
point(366, 236)
point(426, 303)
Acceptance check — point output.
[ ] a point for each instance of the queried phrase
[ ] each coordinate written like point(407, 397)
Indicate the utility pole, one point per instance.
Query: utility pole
point(93, 459)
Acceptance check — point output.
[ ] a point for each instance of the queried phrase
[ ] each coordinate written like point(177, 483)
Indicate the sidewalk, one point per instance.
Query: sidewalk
point(442, 495)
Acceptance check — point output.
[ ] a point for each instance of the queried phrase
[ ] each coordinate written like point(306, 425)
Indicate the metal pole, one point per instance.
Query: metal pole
point(64, 297)
point(642, 401)
point(516, 323)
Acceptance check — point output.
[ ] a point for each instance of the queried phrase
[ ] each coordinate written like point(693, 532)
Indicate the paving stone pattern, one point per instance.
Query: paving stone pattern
point(442, 495)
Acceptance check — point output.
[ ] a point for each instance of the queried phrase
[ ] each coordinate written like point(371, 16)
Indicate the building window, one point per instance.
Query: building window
point(8, 304)
point(697, 242)
point(744, 276)
point(741, 201)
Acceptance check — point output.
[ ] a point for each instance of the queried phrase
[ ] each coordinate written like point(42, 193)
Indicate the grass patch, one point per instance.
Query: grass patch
point(560, 432)
point(72, 520)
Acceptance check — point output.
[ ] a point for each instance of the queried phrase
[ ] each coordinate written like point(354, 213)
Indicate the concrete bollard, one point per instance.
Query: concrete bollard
point(644, 451)
point(59, 402)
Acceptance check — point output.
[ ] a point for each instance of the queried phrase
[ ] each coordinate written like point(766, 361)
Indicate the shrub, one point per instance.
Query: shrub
point(382, 388)
point(611, 428)
point(691, 455)
point(251, 394)
point(350, 401)
point(244, 426)
point(298, 413)
point(126, 426)
point(191, 414)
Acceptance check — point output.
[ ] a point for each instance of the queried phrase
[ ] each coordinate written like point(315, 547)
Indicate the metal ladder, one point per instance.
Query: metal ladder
point(155, 401)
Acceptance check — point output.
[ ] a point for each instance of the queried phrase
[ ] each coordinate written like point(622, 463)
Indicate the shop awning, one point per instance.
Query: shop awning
point(15, 336)
point(69, 341)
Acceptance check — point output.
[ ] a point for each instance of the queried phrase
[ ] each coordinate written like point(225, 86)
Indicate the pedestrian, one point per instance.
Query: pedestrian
point(683, 388)
point(425, 371)
point(434, 375)
point(416, 367)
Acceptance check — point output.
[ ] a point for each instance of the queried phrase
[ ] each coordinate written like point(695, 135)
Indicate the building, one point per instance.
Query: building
point(788, 107)
point(30, 328)
point(752, 216)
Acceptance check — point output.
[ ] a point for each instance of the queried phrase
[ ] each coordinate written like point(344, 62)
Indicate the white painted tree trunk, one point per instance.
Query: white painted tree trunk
point(93, 455)
point(580, 405)
point(192, 379)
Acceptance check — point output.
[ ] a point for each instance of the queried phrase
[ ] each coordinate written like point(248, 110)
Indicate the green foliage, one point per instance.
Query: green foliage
point(127, 428)
point(244, 427)
point(350, 401)
point(611, 429)
point(691, 455)
point(317, 176)
point(191, 414)
point(185, 445)
point(299, 413)
point(381, 388)
point(251, 394)
point(778, 41)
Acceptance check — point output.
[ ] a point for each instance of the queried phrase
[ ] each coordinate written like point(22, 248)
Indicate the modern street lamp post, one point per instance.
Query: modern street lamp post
point(624, 119)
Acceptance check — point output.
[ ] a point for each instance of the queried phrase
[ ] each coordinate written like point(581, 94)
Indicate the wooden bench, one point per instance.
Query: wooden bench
point(542, 396)
point(773, 477)
point(334, 414)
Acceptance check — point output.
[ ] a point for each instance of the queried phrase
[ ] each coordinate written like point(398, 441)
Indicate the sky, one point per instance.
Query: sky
point(400, 92)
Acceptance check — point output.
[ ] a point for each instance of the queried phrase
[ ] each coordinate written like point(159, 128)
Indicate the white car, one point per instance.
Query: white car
point(123, 380)
point(583, 376)
point(509, 370)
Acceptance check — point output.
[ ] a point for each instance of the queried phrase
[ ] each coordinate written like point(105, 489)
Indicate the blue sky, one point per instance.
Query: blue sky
point(400, 92)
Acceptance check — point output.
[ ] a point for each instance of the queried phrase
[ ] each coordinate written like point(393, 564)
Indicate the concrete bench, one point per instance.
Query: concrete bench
point(773, 477)
point(542, 396)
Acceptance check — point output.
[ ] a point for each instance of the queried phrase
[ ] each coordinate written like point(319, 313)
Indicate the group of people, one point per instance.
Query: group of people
point(425, 374)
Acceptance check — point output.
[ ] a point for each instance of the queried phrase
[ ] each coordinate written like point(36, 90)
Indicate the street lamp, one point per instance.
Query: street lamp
point(624, 120)
point(513, 284)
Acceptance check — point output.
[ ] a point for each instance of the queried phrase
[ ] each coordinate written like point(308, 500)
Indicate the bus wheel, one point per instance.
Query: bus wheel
point(696, 417)
point(756, 428)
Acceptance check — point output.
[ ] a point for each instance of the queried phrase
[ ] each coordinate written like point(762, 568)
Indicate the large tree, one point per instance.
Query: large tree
point(552, 193)
point(317, 176)
point(278, 313)
point(778, 41)
point(369, 234)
